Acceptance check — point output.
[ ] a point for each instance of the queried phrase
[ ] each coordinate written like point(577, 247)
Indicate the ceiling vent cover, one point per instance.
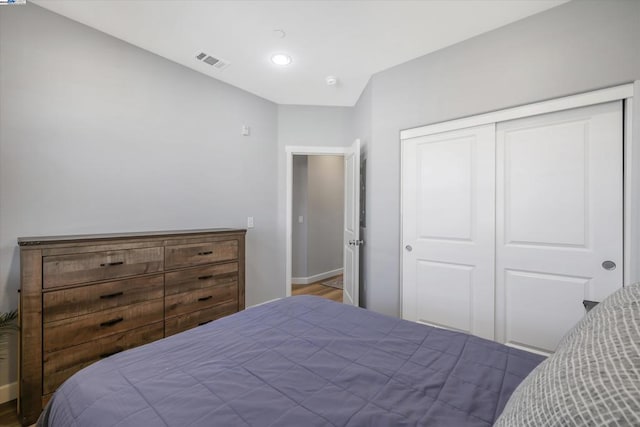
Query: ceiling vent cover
point(217, 63)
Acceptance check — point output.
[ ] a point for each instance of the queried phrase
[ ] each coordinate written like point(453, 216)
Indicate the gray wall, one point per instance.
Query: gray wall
point(325, 214)
point(99, 136)
point(299, 208)
point(318, 196)
point(576, 47)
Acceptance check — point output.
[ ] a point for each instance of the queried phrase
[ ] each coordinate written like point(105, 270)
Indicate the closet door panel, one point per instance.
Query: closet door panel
point(448, 202)
point(558, 217)
point(531, 318)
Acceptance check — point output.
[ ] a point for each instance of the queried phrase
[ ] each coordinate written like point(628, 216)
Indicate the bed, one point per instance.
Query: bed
point(307, 361)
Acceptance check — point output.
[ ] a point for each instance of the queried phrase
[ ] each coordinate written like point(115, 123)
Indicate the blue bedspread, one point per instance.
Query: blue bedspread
point(299, 361)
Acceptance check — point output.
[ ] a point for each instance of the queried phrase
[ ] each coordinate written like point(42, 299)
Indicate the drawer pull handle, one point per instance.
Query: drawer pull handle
point(204, 323)
point(111, 264)
point(111, 353)
point(205, 253)
point(205, 298)
point(113, 295)
point(205, 277)
point(112, 321)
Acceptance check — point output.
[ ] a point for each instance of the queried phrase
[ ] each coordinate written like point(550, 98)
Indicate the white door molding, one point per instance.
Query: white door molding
point(291, 151)
point(615, 93)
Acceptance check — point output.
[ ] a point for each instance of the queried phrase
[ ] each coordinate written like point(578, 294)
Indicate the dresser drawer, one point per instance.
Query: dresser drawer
point(63, 270)
point(77, 330)
point(200, 253)
point(200, 277)
point(186, 302)
point(181, 323)
point(65, 303)
point(60, 365)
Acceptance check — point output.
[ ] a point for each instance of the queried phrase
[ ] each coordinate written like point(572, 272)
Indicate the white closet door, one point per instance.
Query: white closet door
point(448, 204)
point(558, 218)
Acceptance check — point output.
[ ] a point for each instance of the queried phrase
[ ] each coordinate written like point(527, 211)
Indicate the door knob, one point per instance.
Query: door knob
point(408, 248)
point(609, 265)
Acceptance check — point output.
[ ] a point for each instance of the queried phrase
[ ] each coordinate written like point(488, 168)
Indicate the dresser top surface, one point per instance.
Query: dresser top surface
point(42, 240)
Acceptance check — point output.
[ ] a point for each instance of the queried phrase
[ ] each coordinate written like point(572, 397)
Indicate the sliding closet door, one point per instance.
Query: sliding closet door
point(558, 221)
point(448, 205)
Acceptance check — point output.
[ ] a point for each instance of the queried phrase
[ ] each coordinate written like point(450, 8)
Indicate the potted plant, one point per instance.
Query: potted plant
point(7, 324)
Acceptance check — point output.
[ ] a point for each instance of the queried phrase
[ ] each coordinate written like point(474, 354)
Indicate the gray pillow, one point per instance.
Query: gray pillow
point(593, 378)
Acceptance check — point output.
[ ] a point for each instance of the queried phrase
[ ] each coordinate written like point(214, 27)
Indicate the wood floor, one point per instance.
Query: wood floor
point(318, 289)
point(8, 415)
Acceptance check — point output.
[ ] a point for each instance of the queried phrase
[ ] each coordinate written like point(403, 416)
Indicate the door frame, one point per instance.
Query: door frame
point(296, 150)
point(631, 157)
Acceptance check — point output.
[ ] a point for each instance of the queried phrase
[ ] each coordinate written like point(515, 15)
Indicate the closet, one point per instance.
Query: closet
point(508, 226)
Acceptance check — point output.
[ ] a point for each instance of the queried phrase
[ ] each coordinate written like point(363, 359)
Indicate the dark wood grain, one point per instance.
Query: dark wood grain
point(64, 270)
point(201, 298)
point(65, 303)
point(9, 414)
point(106, 293)
point(30, 354)
point(60, 365)
point(176, 324)
point(78, 238)
point(200, 277)
point(200, 253)
point(77, 330)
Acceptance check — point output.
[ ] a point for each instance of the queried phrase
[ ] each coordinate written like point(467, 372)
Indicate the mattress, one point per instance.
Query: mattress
point(298, 361)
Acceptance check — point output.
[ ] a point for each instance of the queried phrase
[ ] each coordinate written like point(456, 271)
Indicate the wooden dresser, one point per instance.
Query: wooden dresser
point(84, 298)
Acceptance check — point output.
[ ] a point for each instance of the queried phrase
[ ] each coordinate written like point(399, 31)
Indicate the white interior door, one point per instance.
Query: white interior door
point(448, 229)
point(559, 217)
point(351, 235)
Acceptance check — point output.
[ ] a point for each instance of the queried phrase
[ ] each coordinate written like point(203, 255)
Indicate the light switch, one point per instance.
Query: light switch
point(250, 222)
point(300, 219)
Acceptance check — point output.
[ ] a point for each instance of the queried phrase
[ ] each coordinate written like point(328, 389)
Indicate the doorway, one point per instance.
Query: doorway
point(317, 224)
point(350, 236)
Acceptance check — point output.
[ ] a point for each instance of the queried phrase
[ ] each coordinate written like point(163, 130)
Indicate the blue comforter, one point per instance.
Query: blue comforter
point(299, 361)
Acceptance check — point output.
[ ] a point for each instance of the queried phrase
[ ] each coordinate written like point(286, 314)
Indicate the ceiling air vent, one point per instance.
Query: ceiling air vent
point(217, 63)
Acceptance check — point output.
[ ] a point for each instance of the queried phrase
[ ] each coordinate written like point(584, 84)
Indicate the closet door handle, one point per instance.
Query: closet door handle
point(409, 248)
point(609, 265)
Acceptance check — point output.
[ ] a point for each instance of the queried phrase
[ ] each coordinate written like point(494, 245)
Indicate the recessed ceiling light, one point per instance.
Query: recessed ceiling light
point(331, 80)
point(281, 59)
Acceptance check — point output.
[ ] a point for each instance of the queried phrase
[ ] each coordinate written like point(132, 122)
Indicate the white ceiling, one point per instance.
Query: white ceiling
point(348, 39)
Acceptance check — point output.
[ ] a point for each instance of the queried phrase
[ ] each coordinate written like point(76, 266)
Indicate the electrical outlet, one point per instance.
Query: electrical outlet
point(250, 222)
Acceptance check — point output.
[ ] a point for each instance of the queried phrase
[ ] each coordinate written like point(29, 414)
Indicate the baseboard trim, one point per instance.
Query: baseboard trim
point(315, 277)
point(8, 392)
